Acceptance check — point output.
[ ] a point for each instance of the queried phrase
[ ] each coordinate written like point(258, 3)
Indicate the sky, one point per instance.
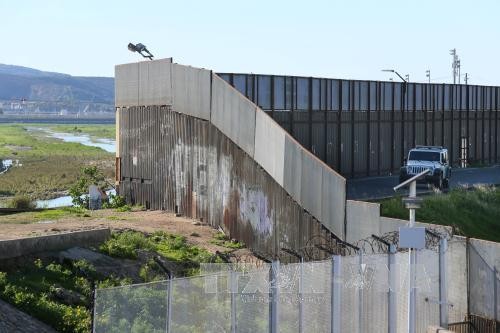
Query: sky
point(336, 39)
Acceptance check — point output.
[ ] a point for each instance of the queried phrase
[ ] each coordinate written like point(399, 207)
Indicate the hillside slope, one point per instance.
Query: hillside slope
point(18, 83)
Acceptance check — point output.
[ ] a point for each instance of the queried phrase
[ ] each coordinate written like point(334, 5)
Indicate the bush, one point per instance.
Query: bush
point(115, 201)
point(22, 202)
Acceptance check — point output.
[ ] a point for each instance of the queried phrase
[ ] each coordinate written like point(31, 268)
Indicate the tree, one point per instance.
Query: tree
point(79, 191)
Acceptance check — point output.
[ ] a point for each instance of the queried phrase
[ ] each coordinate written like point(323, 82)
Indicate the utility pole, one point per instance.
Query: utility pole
point(466, 77)
point(459, 75)
point(454, 64)
point(428, 74)
point(407, 77)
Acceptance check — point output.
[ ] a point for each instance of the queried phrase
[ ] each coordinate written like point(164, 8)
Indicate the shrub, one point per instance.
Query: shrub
point(22, 202)
point(115, 201)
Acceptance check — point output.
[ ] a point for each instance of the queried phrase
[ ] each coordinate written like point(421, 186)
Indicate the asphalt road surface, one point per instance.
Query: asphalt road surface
point(372, 188)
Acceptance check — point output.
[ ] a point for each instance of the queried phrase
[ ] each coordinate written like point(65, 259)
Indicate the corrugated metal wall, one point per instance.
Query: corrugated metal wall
point(179, 163)
point(365, 128)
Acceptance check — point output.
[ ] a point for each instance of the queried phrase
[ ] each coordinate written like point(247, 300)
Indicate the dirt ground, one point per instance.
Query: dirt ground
point(24, 225)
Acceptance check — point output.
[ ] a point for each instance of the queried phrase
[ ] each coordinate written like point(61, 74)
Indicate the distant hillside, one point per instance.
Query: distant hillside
point(18, 82)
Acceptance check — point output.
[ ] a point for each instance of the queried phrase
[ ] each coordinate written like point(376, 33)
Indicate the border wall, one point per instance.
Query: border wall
point(351, 125)
point(190, 143)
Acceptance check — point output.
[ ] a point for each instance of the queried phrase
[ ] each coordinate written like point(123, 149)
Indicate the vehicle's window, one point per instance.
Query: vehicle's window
point(424, 156)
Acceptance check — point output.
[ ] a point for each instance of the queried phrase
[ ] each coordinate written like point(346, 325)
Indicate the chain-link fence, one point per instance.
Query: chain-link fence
point(358, 293)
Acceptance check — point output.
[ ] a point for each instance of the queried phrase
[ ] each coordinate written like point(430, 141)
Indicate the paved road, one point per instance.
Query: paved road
point(381, 187)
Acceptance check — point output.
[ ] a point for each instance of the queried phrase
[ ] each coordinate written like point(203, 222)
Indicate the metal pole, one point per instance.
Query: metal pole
point(495, 293)
point(360, 294)
point(234, 290)
point(335, 301)
point(169, 305)
point(273, 306)
point(443, 295)
point(412, 260)
point(392, 310)
point(301, 300)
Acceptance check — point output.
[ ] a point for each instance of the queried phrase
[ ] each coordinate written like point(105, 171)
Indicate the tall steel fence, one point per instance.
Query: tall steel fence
point(363, 128)
point(358, 293)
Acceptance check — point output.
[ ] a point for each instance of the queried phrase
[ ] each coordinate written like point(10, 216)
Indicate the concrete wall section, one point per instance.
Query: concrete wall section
point(191, 90)
point(311, 186)
point(333, 202)
point(456, 273)
point(233, 115)
point(489, 251)
point(316, 187)
point(363, 220)
point(270, 145)
point(127, 85)
point(292, 172)
point(13, 248)
point(155, 82)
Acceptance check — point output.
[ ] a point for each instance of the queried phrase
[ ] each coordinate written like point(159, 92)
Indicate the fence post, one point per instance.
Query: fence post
point(335, 301)
point(443, 293)
point(169, 305)
point(301, 300)
point(274, 297)
point(361, 272)
point(495, 293)
point(392, 309)
point(233, 291)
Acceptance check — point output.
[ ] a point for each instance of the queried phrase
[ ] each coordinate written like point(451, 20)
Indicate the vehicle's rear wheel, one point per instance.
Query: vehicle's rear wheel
point(439, 183)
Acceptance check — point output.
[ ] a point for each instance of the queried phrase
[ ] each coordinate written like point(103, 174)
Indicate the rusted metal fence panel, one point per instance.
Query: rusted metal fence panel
point(185, 165)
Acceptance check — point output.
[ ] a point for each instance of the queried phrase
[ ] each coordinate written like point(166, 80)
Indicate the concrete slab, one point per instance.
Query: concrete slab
point(292, 172)
point(155, 82)
point(311, 185)
point(456, 273)
point(233, 114)
point(127, 85)
point(333, 196)
point(191, 90)
point(363, 220)
point(269, 145)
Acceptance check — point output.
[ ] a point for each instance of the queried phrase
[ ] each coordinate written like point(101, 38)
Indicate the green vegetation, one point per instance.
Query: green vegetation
point(36, 289)
point(222, 240)
point(172, 247)
point(49, 166)
point(474, 213)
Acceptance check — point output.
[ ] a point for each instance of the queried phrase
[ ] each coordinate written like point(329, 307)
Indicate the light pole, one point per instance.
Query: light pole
point(414, 239)
point(428, 74)
point(403, 102)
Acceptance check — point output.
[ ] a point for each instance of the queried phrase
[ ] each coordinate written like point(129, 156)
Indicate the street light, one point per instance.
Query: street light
point(395, 72)
point(140, 48)
point(403, 103)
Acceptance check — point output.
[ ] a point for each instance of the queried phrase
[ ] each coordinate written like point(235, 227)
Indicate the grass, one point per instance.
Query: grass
point(222, 240)
point(43, 215)
point(49, 166)
point(174, 248)
point(474, 213)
